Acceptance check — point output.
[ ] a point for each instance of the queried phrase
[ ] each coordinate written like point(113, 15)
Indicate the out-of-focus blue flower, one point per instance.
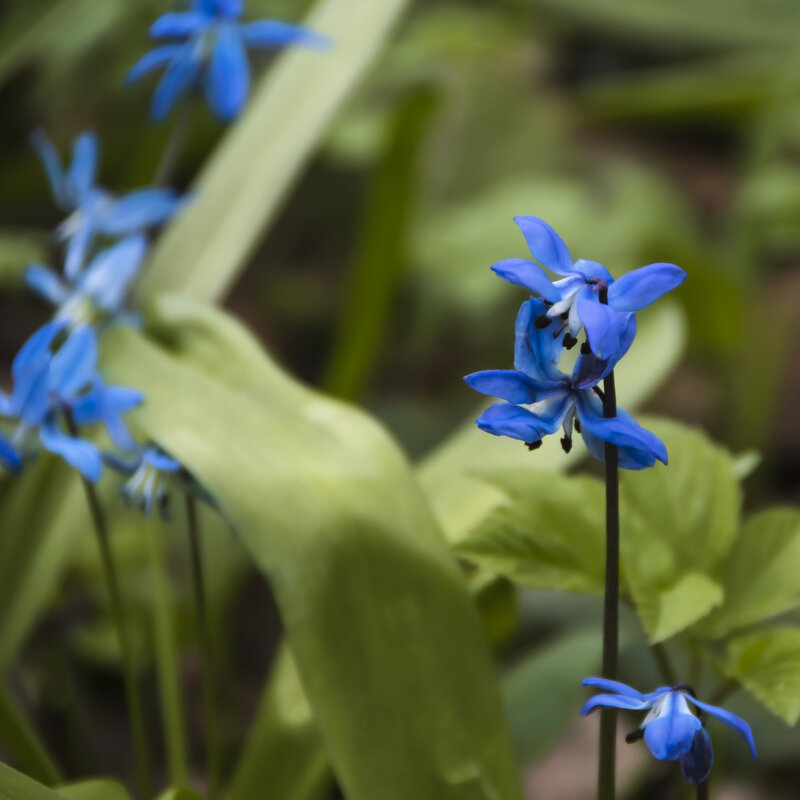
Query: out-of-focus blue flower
point(92, 210)
point(671, 730)
point(147, 488)
point(208, 46)
point(49, 383)
point(540, 398)
point(575, 301)
point(99, 290)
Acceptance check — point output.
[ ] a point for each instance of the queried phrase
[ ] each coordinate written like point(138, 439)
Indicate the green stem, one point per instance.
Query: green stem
point(166, 658)
point(165, 171)
point(129, 668)
point(207, 650)
point(702, 791)
point(664, 665)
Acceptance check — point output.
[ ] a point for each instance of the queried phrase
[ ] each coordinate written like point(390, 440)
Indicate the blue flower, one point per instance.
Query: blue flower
point(209, 46)
point(147, 489)
point(577, 300)
point(671, 730)
point(51, 383)
point(540, 398)
point(92, 210)
point(99, 290)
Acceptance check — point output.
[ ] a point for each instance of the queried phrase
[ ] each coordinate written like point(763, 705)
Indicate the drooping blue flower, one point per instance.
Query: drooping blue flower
point(540, 399)
point(587, 296)
point(100, 290)
point(208, 46)
point(147, 488)
point(51, 382)
point(671, 730)
point(92, 210)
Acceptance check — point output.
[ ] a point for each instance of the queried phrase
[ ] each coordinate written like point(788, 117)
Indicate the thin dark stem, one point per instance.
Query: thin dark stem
point(207, 650)
point(606, 774)
point(702, 791)
point(165, 171)
point(132, 693)
point(664, 665)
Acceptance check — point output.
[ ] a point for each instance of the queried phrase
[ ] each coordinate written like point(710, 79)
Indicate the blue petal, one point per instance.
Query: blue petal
point(614, 701)
point(593, 269)
point(670, 735)
point(109, 276)
point(35, 351)
point(228, 9)
point(9, 457)
point(83, 170)
point(613, 686)
point(78, 453)
point(117, 400)
point(271, 33)
point(637, 289)
point(696, 764)
point(159, 460)
point(138, 210)
point(176, 25)
point(73, 365)
point(46, 283)
point(604, 326)
point(180, 74)
point(730, 719)
point(156, 58)
point(589, 370)
point(228, 79)
point(524, 273)
point(55, 173)
point(546, 245)
point(506, 419)
point(638, 448)
point(507, 384)
point(77, 248)
point(536, 352)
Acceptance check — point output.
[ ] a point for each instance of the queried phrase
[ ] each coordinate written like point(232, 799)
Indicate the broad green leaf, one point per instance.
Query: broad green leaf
point(674, 608)
point(20, 741)
point(244, 185)
point(179, 794)
point(767, 663)
point(96, 789)
point(761, 577)
point(283, 749)
point(450, 474)
point(331, 513)
point(16, 786)
point(548, 535)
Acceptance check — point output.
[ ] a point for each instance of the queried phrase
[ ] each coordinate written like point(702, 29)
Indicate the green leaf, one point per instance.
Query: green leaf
point(548, 535)
point(449, 475)
point(16, 786)
point(244, 185)
point(767, 663)
point(179, 794)
point(95, 789)
point(331, 513)
point(761, 577)
point(283, 749)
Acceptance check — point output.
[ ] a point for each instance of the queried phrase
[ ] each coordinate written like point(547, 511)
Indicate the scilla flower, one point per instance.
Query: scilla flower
point(209, 46)
point(540, 399)
point(672, 731)
point(98, 291)
point(147, 487)
point(92, 210)
point(52, 382)
point(587, 296)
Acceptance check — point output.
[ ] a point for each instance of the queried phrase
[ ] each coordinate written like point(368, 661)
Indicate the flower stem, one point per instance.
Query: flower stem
point(207, 650)
point(165, 171)
point(608, 721)
point(702, 791)
point(133, 696)
point(166, 657)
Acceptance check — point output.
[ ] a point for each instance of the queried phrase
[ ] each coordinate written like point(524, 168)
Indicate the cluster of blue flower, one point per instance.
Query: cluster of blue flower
point(57, 390)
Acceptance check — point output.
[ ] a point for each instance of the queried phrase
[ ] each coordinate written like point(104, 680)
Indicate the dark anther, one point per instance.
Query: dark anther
point(684, 687)
point(599, 392)
point(569, 341)
point(577, 425)
point(533, 445)
point(635, 736)
point(542, 321)
point(566, 443)
point(585, 349)
point(564, 316)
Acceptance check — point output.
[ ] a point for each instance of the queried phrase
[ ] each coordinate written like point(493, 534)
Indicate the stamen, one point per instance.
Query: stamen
point(578, 425)
point(569, 341)
point(542, 321)
point(533, 445)
point(599, 392)
point(585, 349)
point(564, 316)
point(566, 443)
point(635, 736)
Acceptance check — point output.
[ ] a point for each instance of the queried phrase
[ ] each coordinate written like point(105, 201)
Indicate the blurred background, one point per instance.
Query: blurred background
point(642, 132)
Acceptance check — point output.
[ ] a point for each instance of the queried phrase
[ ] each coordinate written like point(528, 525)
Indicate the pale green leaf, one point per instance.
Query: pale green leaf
point(331, 513)
point(549, 534)
point(767, 663)
point(96, 789)
point(762, 575)
point(241, 189)
point(16, 786)
point(179, 794)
